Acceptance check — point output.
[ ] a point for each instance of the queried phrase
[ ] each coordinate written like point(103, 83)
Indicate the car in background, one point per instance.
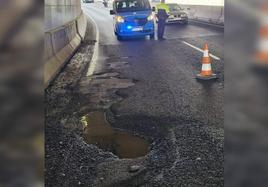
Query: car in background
point(133, 18)
point(176, 14)
point(88, 1)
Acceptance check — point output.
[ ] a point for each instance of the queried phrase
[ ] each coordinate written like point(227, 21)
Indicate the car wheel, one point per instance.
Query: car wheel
point(151, 36)
point(185, 22)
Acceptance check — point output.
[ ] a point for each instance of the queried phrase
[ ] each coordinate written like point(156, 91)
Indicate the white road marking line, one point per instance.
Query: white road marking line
point(198, 49)
point(94, 60)
point(187, 36)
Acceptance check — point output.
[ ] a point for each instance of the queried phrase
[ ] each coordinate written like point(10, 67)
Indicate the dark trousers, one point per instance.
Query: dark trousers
point(161, 28)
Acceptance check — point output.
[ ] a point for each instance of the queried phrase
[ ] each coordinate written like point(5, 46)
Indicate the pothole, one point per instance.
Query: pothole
point(100, 133)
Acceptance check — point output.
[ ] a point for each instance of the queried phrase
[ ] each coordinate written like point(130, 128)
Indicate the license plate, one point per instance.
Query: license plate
point(175, 19)
point(137, 29)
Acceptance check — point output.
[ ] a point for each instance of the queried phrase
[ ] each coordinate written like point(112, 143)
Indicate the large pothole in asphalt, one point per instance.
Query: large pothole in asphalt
point(100, 133)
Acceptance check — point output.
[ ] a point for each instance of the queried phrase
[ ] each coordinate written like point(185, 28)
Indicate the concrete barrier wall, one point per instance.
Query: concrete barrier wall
point(59, 12)
point(62, 2)
point(65, 26)
point(81, 24)
point(60, 44)
point(209, 14)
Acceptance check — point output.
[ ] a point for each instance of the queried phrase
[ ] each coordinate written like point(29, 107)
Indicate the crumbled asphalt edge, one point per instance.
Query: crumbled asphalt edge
point(178, 167)
point(68, 160)
point(71, 162)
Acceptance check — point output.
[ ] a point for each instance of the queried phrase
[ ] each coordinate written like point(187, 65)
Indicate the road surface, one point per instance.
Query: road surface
point(165, 69)
point(146, 88)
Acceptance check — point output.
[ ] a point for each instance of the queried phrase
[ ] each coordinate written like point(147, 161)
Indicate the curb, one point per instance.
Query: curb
point(60, 44)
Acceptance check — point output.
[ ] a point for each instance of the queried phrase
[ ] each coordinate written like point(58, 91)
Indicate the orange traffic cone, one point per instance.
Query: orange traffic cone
point(206, 71)
point(261, 56)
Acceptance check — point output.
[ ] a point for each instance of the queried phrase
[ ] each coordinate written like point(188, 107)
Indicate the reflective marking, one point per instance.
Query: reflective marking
point(200, 50)
point(206, 53)
point(263, 45)
point(94, 60)
point(206, 67)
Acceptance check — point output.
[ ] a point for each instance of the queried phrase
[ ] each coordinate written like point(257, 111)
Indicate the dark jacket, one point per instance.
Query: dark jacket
point(161, 14)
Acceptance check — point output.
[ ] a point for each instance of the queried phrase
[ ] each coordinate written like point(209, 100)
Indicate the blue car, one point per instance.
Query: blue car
point(133, 18)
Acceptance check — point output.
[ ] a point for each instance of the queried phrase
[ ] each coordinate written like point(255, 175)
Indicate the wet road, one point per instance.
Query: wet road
point(164, 70)
point(147, 89)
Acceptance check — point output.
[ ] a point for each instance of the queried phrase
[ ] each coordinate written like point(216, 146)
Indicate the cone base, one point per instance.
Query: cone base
point(201, 77)
point(261, 58)
point(259, 68)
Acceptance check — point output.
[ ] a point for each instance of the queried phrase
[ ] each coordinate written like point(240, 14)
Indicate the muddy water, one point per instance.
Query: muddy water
point(99, 132)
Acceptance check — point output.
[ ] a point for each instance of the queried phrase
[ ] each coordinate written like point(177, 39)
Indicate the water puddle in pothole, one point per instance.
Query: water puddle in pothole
point(99, 132)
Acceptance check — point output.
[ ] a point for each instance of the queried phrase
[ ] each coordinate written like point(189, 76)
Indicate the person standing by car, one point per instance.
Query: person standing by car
point(162, 15)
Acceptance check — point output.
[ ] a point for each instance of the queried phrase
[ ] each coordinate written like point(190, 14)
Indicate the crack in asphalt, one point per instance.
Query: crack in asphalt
point(176, 144)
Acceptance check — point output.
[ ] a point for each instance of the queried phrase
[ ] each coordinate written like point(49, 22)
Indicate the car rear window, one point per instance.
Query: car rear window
point(132, 5)
point(174, 7)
